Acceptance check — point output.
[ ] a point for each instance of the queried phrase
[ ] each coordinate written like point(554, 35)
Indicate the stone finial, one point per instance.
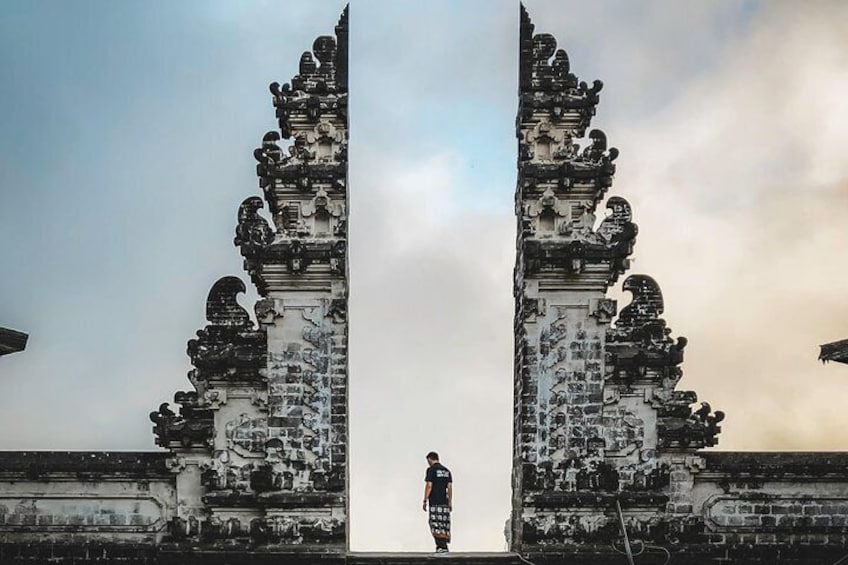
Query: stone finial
point(320, 85)
point(252, 232)
point(545, 81)
point(640, 339)
point(597, 151)
point(646, 306)
point(229, 346)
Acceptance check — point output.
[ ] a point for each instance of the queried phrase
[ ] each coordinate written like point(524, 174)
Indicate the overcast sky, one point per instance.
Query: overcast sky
point(126, 138)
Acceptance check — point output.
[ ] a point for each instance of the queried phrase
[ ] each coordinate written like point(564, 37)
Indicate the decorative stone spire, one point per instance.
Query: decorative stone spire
point(596, 408)
point(305, 185)
point(260, 445)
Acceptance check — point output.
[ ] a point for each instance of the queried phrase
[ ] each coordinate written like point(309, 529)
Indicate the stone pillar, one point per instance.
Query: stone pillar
point(564, 266)
point(217, 439)
point(260, 446)
point(598, 422)
point(300, 267)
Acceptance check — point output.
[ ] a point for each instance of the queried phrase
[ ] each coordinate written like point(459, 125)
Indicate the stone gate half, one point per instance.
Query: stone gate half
point(254, 464)
point(603, 439)
point(255, 457)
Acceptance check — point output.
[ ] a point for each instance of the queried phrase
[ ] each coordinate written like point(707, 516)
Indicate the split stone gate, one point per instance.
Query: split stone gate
point(254, 465)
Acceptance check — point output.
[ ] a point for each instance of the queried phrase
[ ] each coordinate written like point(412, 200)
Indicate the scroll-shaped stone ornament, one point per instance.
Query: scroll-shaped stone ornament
point(619, 231)
point(193, 426)
point(551, 67)
point(698, 430)
point(222, 308)
point(597, 151)
point(645, 308)
point(638, 344)
point(281, 95)
point(253, 233)
point(619, 221)
point(229, 346)
point(268, 157)
point(269, 153)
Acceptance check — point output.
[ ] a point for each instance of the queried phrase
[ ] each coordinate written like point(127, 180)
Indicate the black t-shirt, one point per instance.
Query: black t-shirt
point(439, 476)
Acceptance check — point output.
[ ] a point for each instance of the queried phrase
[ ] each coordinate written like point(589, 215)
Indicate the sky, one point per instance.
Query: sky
point(126, 139)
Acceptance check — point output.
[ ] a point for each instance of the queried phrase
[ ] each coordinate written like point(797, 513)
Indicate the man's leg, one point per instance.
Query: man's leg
point(440, 526)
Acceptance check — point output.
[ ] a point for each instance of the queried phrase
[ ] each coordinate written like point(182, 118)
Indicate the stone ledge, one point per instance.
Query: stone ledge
point(777, 464)
point(136, 554)
point(118, 464)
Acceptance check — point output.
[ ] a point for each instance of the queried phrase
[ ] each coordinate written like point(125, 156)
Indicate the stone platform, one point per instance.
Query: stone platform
point(128, 554)
point(459, 557)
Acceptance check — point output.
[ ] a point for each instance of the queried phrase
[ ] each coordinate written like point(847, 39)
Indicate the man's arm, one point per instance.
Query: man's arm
point(428, 486)
point(450, 496)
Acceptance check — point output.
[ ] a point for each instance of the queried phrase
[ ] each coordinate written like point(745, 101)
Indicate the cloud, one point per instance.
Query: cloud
point(739, 189)
point(122, 180)
point(430, 358)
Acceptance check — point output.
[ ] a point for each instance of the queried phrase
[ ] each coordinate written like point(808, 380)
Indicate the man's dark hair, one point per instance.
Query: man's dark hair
point(433, 455)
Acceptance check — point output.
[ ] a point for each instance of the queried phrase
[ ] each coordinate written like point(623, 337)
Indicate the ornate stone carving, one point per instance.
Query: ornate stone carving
point(597, 415)
point(696, 430)
point(253, 233)
point(306, 185)
point(193, 426)
point(265, 433)
point(280, 449)
point(640, 341)
point(566, 169)
point(546, 83)
point(229, 346)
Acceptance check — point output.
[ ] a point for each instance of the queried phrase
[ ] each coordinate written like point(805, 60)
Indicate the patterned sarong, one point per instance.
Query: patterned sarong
point(440, 522)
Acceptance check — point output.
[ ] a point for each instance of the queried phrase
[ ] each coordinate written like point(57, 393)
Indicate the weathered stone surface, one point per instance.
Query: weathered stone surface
point(43, 465)
point(567, 429)
point(599, 423)
point(257, 451)
point(262, 442)
point(74, 497)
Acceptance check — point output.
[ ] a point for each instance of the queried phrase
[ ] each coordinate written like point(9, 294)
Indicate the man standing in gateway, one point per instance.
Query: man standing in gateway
point(438, 491)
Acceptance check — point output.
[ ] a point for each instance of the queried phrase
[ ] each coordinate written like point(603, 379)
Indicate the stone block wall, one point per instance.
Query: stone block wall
point(73, 497)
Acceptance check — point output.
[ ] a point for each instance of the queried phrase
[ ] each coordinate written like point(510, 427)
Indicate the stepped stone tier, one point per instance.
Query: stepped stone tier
point(253, 466)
